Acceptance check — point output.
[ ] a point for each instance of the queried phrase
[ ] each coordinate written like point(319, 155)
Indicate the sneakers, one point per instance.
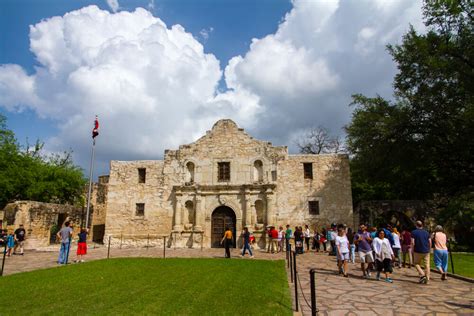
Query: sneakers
point(423, 280)
point(389, 280)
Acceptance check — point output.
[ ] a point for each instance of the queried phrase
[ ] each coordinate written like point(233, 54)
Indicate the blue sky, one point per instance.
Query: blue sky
point(161, 76)
point(234, 23)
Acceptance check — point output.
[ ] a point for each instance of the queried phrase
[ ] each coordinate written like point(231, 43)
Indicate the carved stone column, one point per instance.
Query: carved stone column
point(248, 210)
point(270, 210)
point(178, 215)
point(198, 214)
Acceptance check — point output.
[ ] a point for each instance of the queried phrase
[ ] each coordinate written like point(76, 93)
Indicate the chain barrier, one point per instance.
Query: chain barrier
point(302, 292)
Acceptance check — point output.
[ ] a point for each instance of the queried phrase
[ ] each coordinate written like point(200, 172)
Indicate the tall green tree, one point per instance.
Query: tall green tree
point(420, 146)
point(29, 175)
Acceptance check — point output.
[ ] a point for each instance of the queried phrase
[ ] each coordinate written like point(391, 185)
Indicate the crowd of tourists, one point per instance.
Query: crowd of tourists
point(379, 249)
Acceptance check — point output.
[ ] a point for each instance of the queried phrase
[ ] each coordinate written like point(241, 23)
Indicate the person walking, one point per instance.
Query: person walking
point(406, 247)
point(227, 241)
point(316, 240)
point(397, 247)
point(342, 245)
point(299, 236)
point(288, 234)
point(10, 243)
point(274, 239)
point(82, 245)
point(64, 235)
point(20, 234)
point(421, 242)
point(246, 237)
point(352, 246)
point(440, 252)
point(323, 239)
point(307, 237)
point(383, 255)
point(363, 241)
point(332, 234)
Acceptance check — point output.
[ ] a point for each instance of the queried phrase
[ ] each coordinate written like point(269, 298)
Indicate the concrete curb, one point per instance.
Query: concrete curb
point(455, 276)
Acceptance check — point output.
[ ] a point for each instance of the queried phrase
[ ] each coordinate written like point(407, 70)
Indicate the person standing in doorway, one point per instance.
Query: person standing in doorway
point(421, 242)
point(20, 234)
point(246, 237)
point(64, 235)
point(227, 241)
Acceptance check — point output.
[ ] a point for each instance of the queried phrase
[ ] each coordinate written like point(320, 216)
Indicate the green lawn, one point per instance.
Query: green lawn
point(463, 264)
point(151, 286)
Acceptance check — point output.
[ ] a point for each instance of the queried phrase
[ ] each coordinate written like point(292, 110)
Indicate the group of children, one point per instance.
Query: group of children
point(13, 241)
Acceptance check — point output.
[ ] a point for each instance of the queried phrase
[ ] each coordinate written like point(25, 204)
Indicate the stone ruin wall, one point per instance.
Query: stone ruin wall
point(38, 218)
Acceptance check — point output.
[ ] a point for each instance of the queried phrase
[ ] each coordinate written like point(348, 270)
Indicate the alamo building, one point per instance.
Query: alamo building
point(225, 178)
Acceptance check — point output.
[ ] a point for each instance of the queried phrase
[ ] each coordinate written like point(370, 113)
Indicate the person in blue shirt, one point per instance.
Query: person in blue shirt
point(421, 242)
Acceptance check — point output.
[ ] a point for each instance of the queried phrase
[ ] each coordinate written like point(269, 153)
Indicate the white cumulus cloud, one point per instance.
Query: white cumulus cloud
point(113, 4)
point(153, 86)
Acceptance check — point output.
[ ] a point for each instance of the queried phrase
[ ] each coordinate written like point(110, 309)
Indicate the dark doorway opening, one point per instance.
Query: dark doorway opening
point(222, 217)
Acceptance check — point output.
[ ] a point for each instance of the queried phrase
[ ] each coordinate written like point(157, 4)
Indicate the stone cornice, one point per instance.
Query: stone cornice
point(224, 189)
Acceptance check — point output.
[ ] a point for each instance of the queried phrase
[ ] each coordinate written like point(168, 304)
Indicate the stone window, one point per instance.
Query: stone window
point(189, 219)
point(258, 171)
point(308, 170)
point(140, 209)
point(274, 175)
point(313, 207)
point(190, 172)
point(141, 175)
point(223, 171)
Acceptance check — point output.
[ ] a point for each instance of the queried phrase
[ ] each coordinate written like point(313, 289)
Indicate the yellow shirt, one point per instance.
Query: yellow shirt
point(228, 234)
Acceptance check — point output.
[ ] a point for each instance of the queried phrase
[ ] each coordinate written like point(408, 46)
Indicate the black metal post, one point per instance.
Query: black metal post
point(314, 309)
point(108, 251)
point(3, 261)
point(202, 240)
point(296, 280)
point(287, 257)
point(121, 239)
point(164, 247)
point(291, 267)
point(451, 258)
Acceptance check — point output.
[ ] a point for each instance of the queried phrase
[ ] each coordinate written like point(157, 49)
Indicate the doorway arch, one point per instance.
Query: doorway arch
point(222, 217)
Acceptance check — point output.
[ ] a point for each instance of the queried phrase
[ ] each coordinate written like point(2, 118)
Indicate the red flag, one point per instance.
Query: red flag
point(95, 131)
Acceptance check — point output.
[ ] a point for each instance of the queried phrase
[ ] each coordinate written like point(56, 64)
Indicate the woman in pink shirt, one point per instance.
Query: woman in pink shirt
point(438, 238)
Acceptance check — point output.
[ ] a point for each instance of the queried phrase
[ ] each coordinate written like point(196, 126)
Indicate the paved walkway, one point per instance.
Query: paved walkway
point(335, 295)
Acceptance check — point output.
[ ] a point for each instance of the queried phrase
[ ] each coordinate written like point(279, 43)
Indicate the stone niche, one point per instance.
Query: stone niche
point(39, 218)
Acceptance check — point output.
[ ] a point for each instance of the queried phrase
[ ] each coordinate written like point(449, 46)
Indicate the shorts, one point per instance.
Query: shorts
point(366, 257)
point(385, 265)
point(343, 256)
point(81, 248)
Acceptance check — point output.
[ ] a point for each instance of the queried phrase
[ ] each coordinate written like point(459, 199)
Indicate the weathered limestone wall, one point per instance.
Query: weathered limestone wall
point(124, 192)
point(38, 218)
point(330, 186)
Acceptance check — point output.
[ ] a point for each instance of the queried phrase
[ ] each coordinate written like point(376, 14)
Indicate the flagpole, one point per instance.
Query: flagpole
point(90, 184)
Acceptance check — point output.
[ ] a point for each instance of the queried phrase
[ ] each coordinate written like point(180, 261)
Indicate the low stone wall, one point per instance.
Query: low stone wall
point(38, 218)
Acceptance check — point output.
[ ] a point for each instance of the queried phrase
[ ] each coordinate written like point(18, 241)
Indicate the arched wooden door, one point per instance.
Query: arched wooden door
point(222, 217)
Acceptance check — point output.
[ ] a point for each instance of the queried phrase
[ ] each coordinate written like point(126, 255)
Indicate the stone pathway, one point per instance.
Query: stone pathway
point(335, 295)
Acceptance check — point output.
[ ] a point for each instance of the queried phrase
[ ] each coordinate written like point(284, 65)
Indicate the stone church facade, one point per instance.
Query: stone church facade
point(225, 178)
